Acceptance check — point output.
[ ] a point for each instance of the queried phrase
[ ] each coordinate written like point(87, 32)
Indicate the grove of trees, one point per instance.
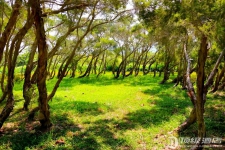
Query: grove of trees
point(75, 38)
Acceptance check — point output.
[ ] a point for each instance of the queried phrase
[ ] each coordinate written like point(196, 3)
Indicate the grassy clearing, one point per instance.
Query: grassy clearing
point(104, 113)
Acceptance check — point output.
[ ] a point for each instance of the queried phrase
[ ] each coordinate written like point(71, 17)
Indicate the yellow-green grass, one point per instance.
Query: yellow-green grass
point(105, 113)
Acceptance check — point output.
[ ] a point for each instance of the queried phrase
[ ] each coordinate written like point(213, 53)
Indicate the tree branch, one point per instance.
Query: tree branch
point(213, 73)
point(191, 91)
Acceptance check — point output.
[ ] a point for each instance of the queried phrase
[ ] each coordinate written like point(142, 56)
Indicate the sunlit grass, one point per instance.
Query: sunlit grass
point(105, 113)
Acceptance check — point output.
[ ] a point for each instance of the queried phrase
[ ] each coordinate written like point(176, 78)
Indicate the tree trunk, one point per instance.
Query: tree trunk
point(222, 86)
point(52, 72)
point(190, 120)
point(95, 64)
point(151, 61)
point(10, 100)
point(218, 79)
point(88, 70)
point(202, 56)
point(27, 90)
point(81, 67)
point(122, 66)
point(11, 23)
point(44, 113)
point(34, 77)
point(202, 89)
point(166, 72)
point(160, 72)
point(3, 87)
point(102, 66)
point(13, 54)
point(49, 66)
point(114, 65)
point(4, 69)
point(145, 71)
point(61, 68)
point(74, 68)
point(178, 79)
point(155, 69)
point(191, 93)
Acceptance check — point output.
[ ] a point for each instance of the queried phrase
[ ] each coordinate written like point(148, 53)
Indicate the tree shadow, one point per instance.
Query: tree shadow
point(81, 107)
point(23, 134)
point(29, 135)
point(164, 107)
point(105, 133)
point(66, 135)
point(214, 121)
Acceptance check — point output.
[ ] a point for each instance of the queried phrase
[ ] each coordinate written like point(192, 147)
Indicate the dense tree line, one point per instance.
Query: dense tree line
point(54, 39)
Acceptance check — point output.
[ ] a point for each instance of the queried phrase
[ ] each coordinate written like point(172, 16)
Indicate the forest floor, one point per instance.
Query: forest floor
point(105, 113)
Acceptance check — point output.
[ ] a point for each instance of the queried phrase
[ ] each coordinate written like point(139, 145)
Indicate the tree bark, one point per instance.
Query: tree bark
point(222, 86)
point(122, 65)
point(3, 87)
point(114, 65)
point(27, 90)
point(202, 89)
point(13, 54)
point(88, 70)
point(11, 23)
point(102, 66)
point(202, 56)
point(44, 113)
point(191, 93)
point(218, 79)
point(61, 68)
point(151, 61)
point(155, 69)
point(74, 68)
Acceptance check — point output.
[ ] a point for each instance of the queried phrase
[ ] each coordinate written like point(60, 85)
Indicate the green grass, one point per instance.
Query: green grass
point(105, 113)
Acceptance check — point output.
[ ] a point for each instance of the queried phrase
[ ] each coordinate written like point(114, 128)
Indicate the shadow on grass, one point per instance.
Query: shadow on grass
point(104, 130)
point(215, 114)
point(32, 137)
point(81, 107)
point(65, 134)
point(215, 120)
point(164, 107)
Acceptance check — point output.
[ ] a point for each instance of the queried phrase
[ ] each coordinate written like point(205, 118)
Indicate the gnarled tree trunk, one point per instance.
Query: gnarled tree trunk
point(44, 113)
point(13, 54)
point(198, 99)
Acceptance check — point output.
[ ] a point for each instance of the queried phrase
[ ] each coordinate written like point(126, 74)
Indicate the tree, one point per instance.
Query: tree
point(86, 24)
point(13, 54)
point(8, 28)
point(199, 17)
